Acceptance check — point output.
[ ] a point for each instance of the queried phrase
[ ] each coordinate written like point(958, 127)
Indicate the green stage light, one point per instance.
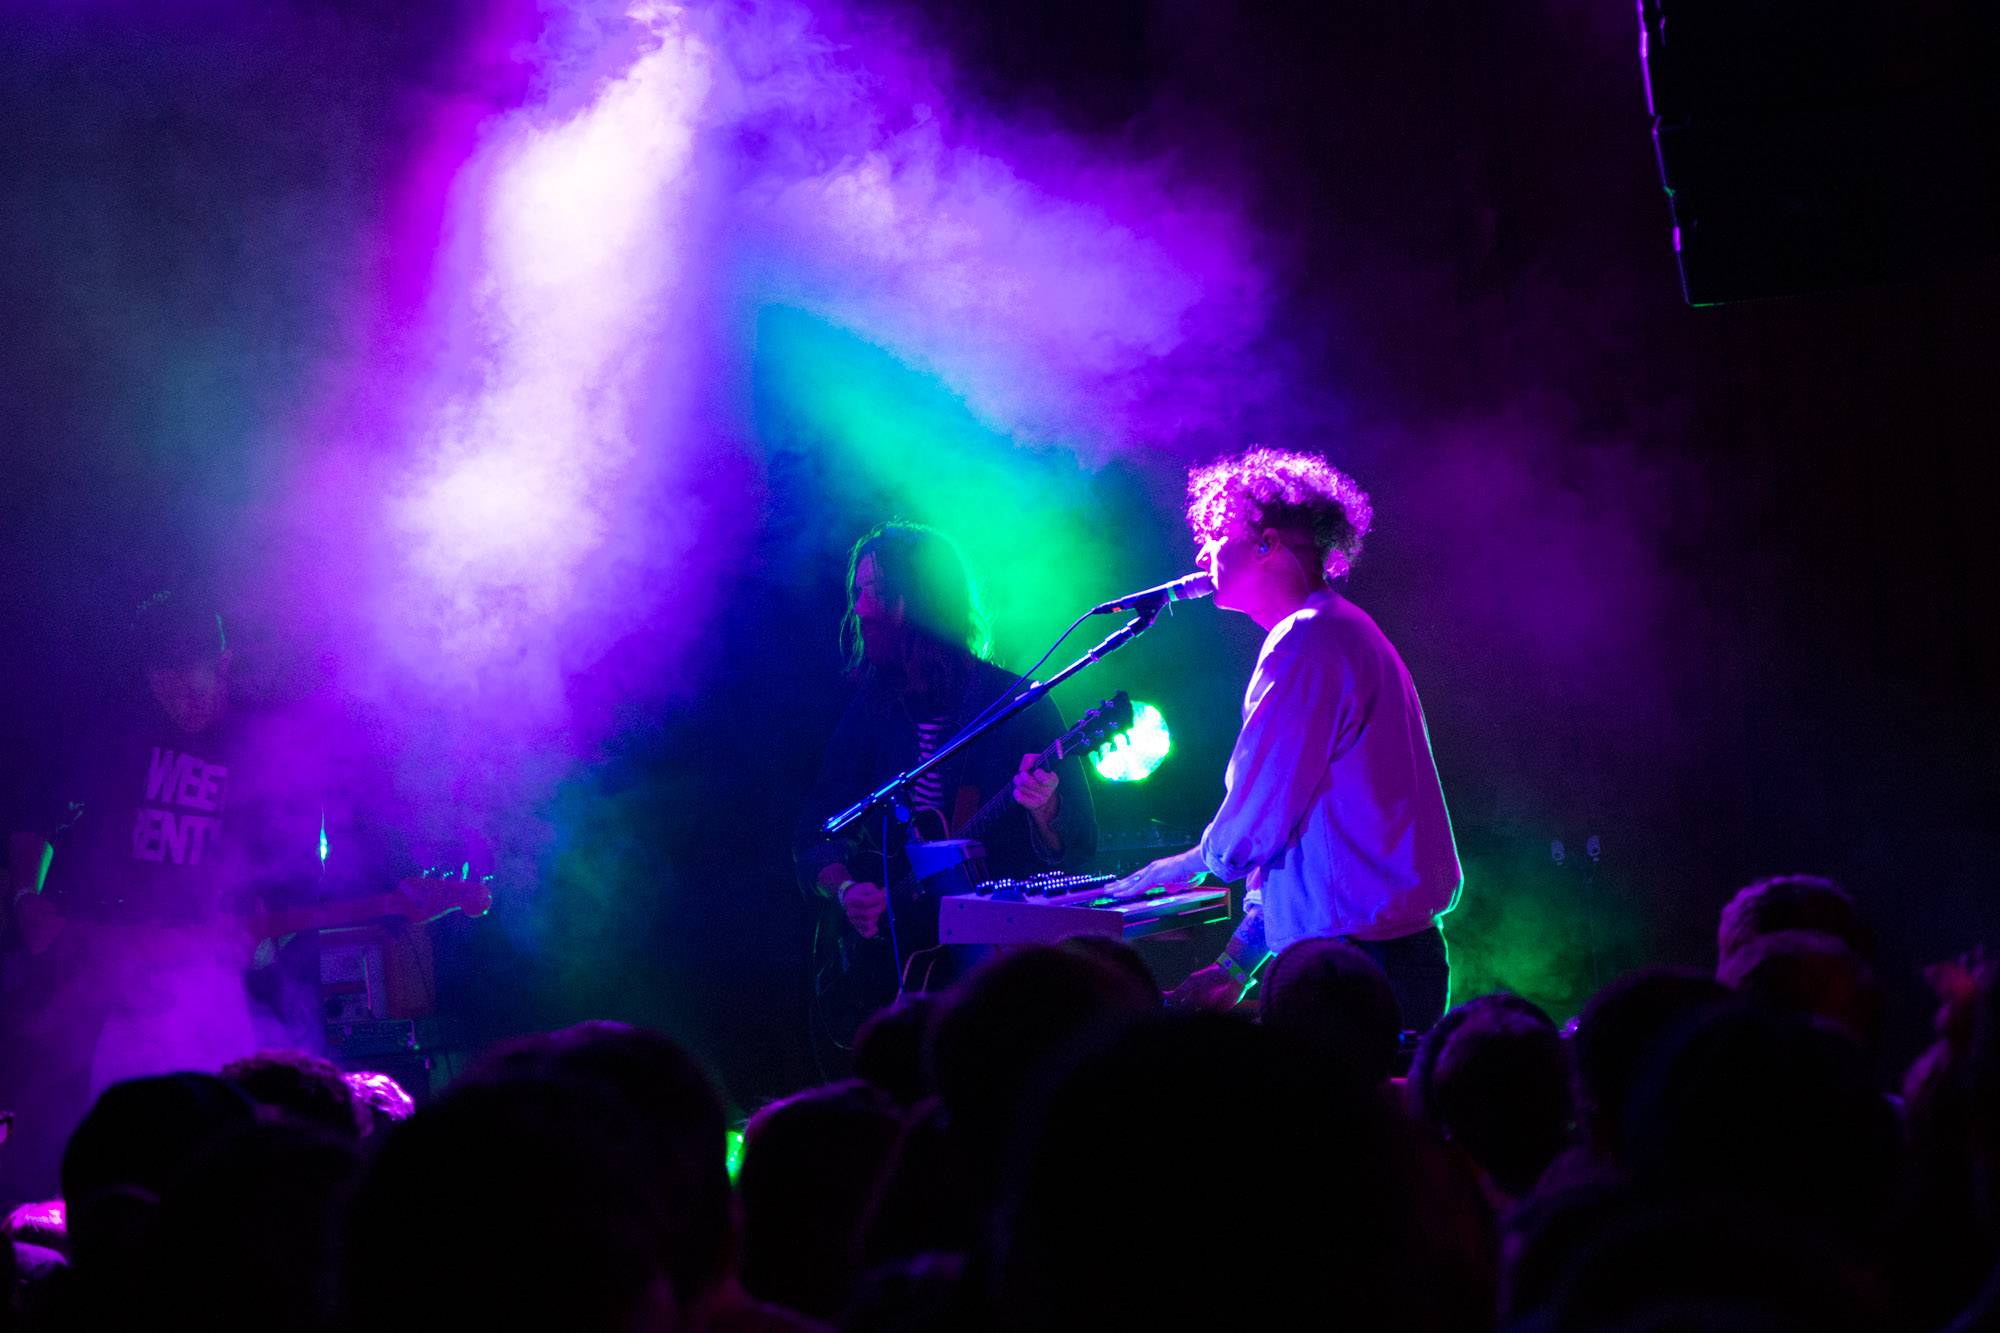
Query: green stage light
point(1135, 755)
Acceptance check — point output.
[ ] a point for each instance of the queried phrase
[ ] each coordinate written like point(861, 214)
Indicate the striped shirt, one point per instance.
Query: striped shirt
point(930, 787)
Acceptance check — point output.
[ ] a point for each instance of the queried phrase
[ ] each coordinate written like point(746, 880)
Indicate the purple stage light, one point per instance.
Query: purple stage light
point(534, 485)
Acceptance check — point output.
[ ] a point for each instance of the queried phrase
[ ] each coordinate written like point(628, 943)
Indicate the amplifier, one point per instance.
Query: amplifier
point(375, 972)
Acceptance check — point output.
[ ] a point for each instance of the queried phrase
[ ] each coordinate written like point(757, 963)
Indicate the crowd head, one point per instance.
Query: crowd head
point(1790, 903)
point(810, 1163)
point(1616, 1035)
point(1330, 996)
point(297, 1086)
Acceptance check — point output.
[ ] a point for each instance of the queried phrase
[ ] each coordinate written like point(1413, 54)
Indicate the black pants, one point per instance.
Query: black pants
point(1419, 973)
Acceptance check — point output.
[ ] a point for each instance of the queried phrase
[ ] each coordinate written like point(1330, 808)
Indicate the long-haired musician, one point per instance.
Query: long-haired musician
point(914, 639)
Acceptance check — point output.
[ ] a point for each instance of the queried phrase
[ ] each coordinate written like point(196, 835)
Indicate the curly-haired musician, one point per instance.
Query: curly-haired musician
point(1333, 808)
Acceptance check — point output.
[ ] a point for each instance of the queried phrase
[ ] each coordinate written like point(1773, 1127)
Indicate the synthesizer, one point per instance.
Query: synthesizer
point(1049, 907)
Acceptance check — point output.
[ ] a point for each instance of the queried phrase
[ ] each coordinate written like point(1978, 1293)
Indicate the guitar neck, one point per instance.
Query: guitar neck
point(998, 802)
point(326, 916)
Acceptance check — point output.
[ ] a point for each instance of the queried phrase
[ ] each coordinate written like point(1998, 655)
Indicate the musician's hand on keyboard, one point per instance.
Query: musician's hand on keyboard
point(1132, 886)
point(863, 903)
point(1167, 872)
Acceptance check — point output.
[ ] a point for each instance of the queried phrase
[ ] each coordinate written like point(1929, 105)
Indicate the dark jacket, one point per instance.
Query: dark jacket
point(876, 738)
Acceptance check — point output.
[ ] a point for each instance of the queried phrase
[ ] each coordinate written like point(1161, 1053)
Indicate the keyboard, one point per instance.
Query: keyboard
point(1050, 883)
point(1049, 907)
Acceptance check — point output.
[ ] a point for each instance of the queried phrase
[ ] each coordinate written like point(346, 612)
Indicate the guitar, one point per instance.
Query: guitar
point(416, 899)
point(854, 976)
point(122, 977)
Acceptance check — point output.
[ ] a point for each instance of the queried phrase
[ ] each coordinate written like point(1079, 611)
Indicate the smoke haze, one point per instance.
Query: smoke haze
point(514, 376)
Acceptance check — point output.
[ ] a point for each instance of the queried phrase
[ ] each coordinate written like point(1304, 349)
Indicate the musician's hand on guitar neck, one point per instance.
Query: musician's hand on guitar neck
point(1035, 789)
point(863, 903)
point(1172, 872)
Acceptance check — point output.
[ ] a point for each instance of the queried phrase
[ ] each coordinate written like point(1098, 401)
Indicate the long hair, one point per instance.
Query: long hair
point(944, 626)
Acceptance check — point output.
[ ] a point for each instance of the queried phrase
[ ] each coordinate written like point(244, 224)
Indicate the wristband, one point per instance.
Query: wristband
point(841, 888)
point(1243, 976)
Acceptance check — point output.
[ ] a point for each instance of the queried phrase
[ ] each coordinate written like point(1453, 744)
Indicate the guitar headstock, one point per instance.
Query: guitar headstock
point(442, 889)
point(1100, 724)
point(73, 811)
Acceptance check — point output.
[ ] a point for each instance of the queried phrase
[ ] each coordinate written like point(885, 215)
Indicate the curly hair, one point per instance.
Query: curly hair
point(1278, 488)
point(299, 1087)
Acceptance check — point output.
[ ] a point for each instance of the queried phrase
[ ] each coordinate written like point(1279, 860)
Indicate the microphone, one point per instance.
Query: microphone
point(1183, 589)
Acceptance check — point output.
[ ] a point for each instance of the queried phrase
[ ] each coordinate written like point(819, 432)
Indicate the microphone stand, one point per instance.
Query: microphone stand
point(890, 793)
point(889, 797)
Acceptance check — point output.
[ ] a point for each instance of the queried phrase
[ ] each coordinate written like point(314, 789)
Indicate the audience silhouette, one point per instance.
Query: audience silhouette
point(1043, 1146)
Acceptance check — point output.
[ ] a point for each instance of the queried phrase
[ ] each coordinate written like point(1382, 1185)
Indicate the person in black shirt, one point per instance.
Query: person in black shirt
point(914, 641)
point(130, 946)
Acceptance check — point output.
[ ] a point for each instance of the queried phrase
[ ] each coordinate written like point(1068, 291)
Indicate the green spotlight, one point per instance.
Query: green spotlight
point(1135, 755)
point(733, 1153)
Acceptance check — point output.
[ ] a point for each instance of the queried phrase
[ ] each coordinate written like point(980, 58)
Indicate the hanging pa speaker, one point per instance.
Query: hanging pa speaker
point(1808, 147)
